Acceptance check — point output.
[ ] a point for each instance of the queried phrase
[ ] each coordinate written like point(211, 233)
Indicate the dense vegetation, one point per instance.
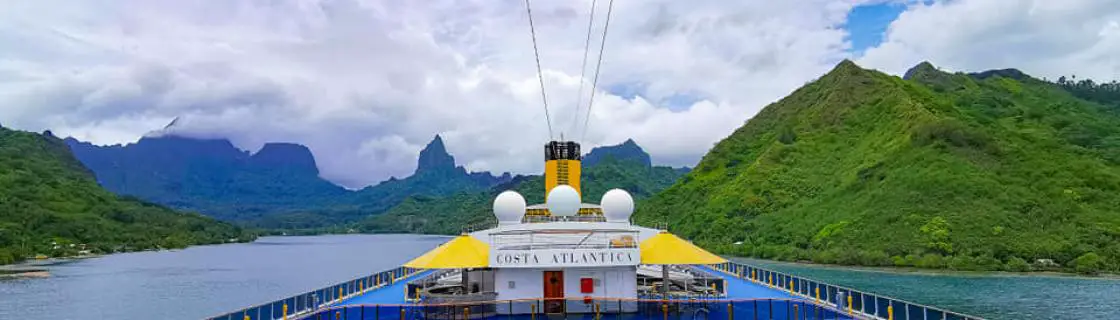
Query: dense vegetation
point(50, 204)
point(1107, 93)
point(986, 171)
point(436, 176)
point(211, 175)
point(611, 169)
point(276, 187)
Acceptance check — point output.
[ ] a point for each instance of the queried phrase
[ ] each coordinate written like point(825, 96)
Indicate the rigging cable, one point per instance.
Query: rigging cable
point(595, 82)
point(540, 76)
point(583, 67)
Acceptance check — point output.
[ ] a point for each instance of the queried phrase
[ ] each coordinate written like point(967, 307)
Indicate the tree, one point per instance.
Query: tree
point(936, 234)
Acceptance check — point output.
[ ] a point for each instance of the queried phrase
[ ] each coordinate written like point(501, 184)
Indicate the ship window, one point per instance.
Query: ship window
point(511, 285)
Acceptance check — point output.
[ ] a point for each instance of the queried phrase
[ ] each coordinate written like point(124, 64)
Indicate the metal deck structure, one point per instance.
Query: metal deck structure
point(752, 293)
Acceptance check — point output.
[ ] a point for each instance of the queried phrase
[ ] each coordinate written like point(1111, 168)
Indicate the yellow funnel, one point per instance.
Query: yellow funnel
point(462, 252)
point(666, 248)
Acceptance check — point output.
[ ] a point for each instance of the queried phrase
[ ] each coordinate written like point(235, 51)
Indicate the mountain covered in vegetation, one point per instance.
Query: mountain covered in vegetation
point(277, 185)
point(436, 175)
point(210, 175)
point(51, 204)
point(625, 166)
point(986, 171)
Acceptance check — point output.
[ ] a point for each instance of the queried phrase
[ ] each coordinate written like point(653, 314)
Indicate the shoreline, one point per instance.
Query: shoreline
point(24, 274)
point(926, 272)
point(32, 262)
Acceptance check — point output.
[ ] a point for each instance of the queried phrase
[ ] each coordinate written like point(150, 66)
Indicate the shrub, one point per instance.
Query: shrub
point(1089, 263)
point(931, 260)
point(963, 262)
point(1016, 264)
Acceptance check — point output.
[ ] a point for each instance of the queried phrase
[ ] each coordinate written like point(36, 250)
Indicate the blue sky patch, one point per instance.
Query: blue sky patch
point(628, 90)
point(676, 102)
point(680, 101)
point(867, 24)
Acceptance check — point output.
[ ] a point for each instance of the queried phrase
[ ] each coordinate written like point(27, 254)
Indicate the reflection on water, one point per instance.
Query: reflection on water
point(198, 282)
point(989, 295)
point(204, 281)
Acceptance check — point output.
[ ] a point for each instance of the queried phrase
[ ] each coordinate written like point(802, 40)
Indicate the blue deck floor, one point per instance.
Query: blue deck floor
point(772, 305)
point(391, 294)
point(745, 289)
point(736, 289)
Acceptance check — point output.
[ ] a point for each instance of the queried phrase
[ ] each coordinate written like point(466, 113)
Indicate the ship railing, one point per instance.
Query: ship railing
point(308, 302)
point(575, 218)
point(591, 308)
point(542, 239)
point(699, 283)
point(479, 226)
point(851, 301)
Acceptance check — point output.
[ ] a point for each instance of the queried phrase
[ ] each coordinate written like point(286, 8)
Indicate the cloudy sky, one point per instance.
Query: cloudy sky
point(365, 84)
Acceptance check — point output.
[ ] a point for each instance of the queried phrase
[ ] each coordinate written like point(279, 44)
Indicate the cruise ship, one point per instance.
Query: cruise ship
point(568, 259)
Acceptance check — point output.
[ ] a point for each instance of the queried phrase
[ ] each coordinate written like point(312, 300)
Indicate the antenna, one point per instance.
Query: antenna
point(598, 65)
point(540, 75)
point(583, 67)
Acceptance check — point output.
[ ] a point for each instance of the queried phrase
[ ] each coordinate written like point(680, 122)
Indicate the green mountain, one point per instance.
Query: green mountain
point(625, 166)
point(436, 175)
point(50, 204)
point(276, 187)
point(986, 171)
point(210, 176)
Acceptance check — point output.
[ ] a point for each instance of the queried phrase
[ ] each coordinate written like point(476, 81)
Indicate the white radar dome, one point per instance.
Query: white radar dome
point(563, 200)
point(617, 205)
point(509, 206)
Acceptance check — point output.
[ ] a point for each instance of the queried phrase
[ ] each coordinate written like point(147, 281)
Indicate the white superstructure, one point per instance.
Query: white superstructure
point(555, 258)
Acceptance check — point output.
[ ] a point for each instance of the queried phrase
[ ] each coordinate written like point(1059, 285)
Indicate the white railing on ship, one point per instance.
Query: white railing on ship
point(854, 302)
point(307, 303)
point(576, 218)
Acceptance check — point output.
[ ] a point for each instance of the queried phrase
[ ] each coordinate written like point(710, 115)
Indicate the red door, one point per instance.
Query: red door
point(554, 291)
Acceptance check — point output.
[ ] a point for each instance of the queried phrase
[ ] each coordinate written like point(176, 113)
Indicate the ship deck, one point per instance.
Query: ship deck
point(737, 289)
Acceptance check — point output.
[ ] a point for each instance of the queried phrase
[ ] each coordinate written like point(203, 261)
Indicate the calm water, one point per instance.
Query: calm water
point(206, 281)
point(994, 296)
point(200, 282)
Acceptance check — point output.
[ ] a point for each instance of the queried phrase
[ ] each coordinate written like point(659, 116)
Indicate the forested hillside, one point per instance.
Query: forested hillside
point(986, 171)
point(625, 166)
point(50, 204)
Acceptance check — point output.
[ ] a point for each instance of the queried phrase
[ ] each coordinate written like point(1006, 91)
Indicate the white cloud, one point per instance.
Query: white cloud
point(1043, 38)
point(365, 84)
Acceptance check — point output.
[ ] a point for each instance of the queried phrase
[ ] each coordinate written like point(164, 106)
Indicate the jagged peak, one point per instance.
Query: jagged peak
point(846, 66)
point(434, 157)
point(1011, 73)
point(171, 124)
point(920, 68)
point(627, 150)
point(437, 140)
point(845, 69)
point(284, 154)
point(938, 80)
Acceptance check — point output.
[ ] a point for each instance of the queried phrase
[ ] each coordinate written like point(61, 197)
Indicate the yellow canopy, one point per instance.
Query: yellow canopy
point(666, 248)
point(462, 252)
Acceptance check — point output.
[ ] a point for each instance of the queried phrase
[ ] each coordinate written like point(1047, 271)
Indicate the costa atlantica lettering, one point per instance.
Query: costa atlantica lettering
point(564, 258)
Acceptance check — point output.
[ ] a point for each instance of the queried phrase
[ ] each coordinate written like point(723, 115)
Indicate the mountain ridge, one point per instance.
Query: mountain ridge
point(216, 178)
point(448, 214)
point(939, 170)
point(50, 200)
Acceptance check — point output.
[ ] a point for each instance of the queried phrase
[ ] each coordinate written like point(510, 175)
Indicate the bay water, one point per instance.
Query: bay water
point(204, 281)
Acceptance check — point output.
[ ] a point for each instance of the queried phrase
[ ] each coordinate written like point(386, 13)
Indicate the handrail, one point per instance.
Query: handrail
point(308, 302)
point(807, 289)
point(787, 282)
point(731, 309)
